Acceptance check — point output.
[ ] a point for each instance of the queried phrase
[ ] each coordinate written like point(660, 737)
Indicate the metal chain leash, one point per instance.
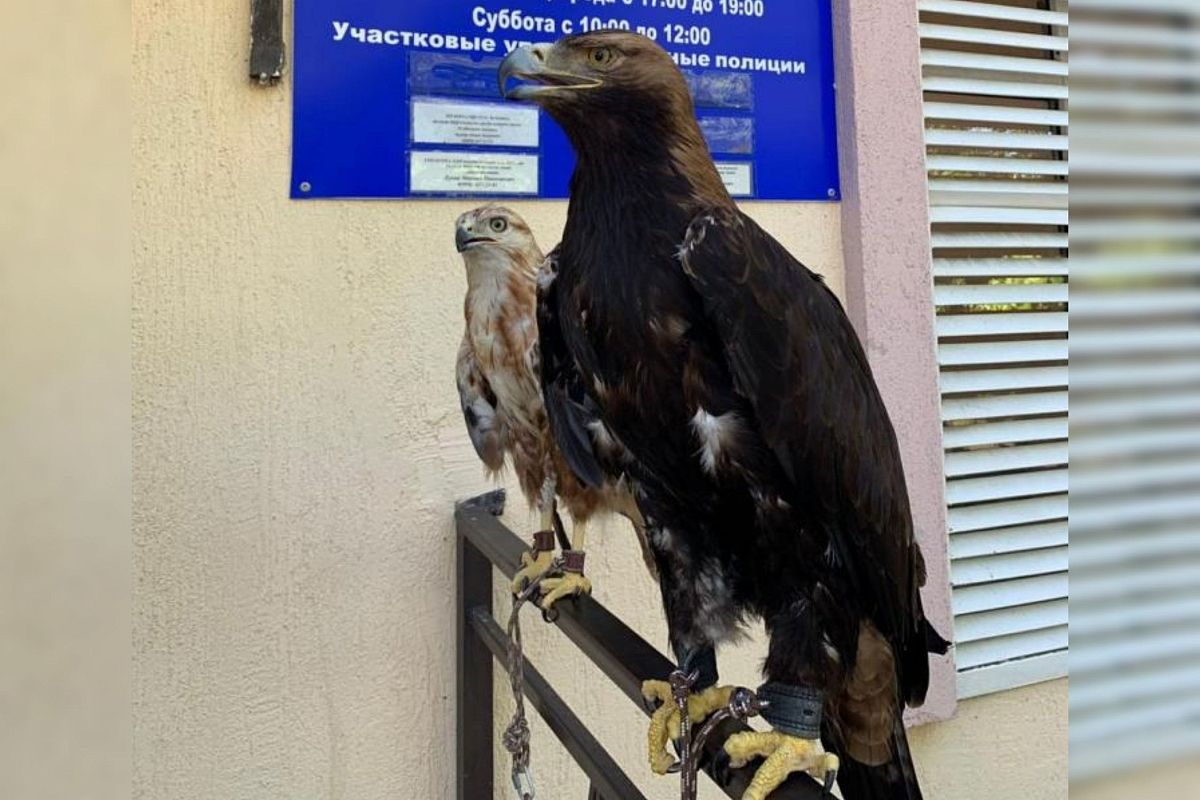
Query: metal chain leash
point(516, 735)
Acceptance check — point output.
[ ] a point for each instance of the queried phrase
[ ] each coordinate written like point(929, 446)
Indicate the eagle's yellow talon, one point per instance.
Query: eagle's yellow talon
point(660, 759)
point(664, 722)
point(534, 564)
point(785, 755)
point(570, 584)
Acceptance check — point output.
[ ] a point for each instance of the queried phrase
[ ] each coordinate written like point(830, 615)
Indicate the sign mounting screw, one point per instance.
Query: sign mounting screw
point(306, 187)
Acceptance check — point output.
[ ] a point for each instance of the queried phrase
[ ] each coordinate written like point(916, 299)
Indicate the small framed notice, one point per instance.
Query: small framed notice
point(451, 172)
point(436, 121)
point(738, 177)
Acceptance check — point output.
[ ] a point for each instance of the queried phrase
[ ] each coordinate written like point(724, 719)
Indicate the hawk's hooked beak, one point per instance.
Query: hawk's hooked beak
point(464, 238)
point(533, 63)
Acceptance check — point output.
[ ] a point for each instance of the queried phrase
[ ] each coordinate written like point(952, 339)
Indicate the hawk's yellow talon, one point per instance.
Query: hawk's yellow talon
point(785, 755)
point(534, 564)
point(664, 722)
point(570, 584)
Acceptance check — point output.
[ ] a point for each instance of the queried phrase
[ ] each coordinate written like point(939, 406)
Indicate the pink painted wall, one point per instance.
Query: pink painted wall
point(889, 282)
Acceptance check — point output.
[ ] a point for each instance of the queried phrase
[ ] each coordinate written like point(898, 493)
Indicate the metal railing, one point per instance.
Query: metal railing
point(625, 658)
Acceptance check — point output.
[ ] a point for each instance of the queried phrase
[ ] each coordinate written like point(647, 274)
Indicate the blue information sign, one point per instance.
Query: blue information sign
point(398, 98)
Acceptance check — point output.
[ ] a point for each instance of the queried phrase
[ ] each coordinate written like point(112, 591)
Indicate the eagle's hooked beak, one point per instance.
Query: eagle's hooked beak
point(532, 63)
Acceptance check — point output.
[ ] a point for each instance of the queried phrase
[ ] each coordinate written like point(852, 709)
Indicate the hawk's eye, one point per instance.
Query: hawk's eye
point(601, 56)
point(499, 224)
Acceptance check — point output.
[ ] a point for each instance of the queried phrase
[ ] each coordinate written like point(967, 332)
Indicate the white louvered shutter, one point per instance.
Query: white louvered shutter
point(994, 77)
point(1135, 615)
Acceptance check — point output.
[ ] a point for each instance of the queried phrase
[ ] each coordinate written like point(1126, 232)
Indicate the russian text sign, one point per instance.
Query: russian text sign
point(398, 98)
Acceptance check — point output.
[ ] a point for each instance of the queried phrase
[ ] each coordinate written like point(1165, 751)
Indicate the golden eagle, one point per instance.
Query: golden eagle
point(754, 436)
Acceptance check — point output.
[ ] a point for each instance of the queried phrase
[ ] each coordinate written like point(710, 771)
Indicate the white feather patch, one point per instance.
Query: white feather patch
point(547, 273)
point(602, 435)
point(716, 434)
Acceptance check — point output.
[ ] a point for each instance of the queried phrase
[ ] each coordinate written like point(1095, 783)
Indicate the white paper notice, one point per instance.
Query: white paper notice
point(473, 173)
point(492, 124)
point(738, 179)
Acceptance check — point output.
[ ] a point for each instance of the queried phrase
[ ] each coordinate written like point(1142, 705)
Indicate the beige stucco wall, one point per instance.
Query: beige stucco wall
point(298, 449)
point(64, 401)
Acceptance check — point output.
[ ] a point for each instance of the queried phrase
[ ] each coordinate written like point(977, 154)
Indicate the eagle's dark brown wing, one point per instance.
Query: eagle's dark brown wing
point(568, 406)
point(795, 358)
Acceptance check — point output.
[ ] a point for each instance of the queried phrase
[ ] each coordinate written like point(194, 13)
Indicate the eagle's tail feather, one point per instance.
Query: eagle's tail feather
point(893, 780)
point(934, 643)
point(914, 661)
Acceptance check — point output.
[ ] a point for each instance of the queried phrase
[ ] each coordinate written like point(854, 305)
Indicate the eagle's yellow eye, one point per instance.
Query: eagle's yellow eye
point(499, 224)
point(601, 56)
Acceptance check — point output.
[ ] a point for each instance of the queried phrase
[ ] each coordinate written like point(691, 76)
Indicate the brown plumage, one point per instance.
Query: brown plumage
point(760, 449)
point(497, 372)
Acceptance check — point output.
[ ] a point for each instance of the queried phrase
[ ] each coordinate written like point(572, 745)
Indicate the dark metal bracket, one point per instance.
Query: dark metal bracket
point(625, 658)
point(267, 50)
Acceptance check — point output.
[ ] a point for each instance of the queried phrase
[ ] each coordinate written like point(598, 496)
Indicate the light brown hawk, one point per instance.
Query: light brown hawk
point(501, 395)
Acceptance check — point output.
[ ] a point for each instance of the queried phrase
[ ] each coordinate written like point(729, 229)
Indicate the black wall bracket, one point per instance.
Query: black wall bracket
point(267, 51)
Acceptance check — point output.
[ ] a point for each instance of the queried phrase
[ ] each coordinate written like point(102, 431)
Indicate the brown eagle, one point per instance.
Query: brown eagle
point(757, 443)
point(501, 396)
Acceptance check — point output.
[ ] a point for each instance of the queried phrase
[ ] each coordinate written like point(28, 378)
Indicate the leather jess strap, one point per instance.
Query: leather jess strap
point(573, 561)
point(543, 541)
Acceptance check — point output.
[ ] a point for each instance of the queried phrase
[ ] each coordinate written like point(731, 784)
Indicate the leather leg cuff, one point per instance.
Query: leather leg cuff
point(794, 710)
point(543, 541)
point(702, 661)
point(573, 561)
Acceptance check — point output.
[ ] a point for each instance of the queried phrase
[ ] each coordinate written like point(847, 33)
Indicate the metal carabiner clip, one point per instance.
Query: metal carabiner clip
point(523, 783)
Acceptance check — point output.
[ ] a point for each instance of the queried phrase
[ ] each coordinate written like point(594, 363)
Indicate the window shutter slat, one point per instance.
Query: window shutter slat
point(1009, 594)
point(1115, 619)
point(982, 62)
point(991, 624)
point(988, 569)
point(993, 215)
point(984, 516)
point(960, 192)
point(999, 293)
point(1010, 674)
point(970, 655)
point(957, 137)
point(993, 11)
point(966, 112)
point(987, 87)
point(999, 241)
point(1002, 487)
point(1007, 431)
point(1002, 352)
point(1003, 405)
point(1008, 540)
point(1005, 459)
point(998, 166)
point(985, 324)
point(998, 267)
point(983, 380)
point(989, 36)
point(1137, 442)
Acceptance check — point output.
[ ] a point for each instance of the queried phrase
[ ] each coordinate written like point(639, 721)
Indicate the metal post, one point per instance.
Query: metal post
point(474, 677)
